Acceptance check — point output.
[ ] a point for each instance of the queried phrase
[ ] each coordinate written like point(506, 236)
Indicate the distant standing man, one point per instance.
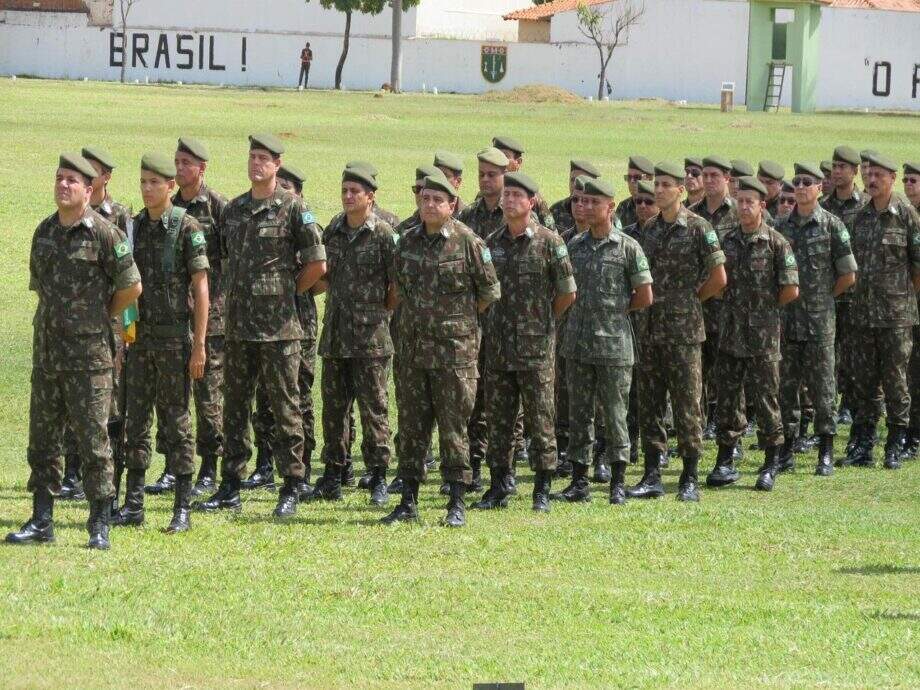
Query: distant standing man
point(306, 58)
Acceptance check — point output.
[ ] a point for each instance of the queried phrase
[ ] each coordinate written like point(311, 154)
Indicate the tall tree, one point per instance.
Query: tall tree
point(399, 6)
point(607, 29)
point(124, 9)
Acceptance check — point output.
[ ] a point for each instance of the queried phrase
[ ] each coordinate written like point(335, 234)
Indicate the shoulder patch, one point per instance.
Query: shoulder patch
point(395, 238)
point(844, 236)
point(642, 263)
point(790, 260)
point(562, 251)
point(307, 218)
point(486, 255)
point(121, 249)
point(197, 238)
point(711, 237)
point(915, 239)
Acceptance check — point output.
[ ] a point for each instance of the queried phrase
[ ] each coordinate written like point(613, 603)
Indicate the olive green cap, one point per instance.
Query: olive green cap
point(879, 161)
point(440, 183)
point(508, 144)
point(847, 154)
point(809, 168)
point(159, 164)
point(717, 162)
point(194, 147)
point(77, 163)
point(584, 166)
point(289, 172)
point(102, 157)
point(865, 153)
point(423, 171)
point(912, 168)
point(594, 186)
point(646, 187)
point(697, 162)
point(370, 168)
point(642, 164)
point(493, 156)
point(787, 187)
point(741, 168)
point(451, 161)
point(827, 167)
point(751, 184)
point(772, 170)
point(361, 176)
point(671, 169)
point(525, 182)
point(267, 141)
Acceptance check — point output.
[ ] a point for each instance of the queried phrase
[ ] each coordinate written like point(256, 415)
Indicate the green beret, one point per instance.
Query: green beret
point(787, 187)
point(827, 167)
point(451, 161)
point(269, 142)
point(159, 164)
point(697, 162)
point(369, 168)
point(361, 176)
point(586, 167)
point(440, 183)
point(525, 182)
point(193, 147)
point(847, 154)
point(808, 168)
point(289, 172)
point(717, 162)
point(493, 156)
point(865, 153)
point(879, 161)
point(646, 187)
point(772, 170)
point(508, 144)
point(741, 168)
point(595, 186)
point(751, 184)
point(912, 168)
point(103, 158)
point(423, 171)
point(671, 170)
point(642, 164)
point(77, 163)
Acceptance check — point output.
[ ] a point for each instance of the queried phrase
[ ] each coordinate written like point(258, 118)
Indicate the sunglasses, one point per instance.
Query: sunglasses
point(694, 172)
point(633, 178)
point(645, 202)
point(803, 181)
point(912, 180)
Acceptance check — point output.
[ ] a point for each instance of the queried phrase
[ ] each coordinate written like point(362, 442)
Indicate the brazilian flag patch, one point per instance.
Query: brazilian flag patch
point(790, 260)
point(844, 235)
point(197, 238)
point(486, 255)
point(308, 218)
point(562, 251)
point(642, 263)
point(122, 249)
point(711, 237)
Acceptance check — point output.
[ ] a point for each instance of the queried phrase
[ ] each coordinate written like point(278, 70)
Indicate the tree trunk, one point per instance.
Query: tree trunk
point(341, 65)
point(396, 60)
point(124, 39)
point(602, 76)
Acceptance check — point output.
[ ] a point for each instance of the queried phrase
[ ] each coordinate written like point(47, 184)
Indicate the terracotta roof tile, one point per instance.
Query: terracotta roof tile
point(44, 5)
point(891, 5)
point(548, 9)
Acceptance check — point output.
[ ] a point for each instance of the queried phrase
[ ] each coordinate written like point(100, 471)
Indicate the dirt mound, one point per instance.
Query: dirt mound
point(532, 93)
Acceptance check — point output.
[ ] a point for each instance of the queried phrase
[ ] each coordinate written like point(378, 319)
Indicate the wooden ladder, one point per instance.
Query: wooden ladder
point(775, 78)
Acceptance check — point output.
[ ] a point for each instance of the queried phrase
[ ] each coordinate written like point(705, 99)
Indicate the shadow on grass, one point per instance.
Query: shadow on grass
point(895, 616)
point(880, 569)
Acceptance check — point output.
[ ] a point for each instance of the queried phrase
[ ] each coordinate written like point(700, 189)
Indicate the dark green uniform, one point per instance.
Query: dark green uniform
point(562, 215)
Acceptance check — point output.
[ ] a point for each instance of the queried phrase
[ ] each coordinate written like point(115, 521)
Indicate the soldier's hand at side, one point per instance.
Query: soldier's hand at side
point(196, 362)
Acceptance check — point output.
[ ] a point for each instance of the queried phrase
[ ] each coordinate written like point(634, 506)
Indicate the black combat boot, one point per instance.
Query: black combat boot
point(181, 517)
point(578, 490)
point(738, 451)
point(618, 484)
point(132, 512)
point(207, 475)
point(856, 432)
point(287, 499)
point(825, 466)
point(163, 485)
point(71, 484)
point(801, 443)
point(348, 473)
point(768, 471)
point(98, 524)
point(894, 445)
point(364, 481)
point(542, 483)
point(498, 493)
point(688, 488)
point(395, 487)
point(601, 473)
point(304, 487)
point(844, 416)
point(863, 452)
point(633, 453)
point(227, 497)
point(329, 486)
point(407, 509)
point(650, 485)
point(475, 483)
point(563, 464)
point(40, 527)
point(429, 460)
point(786, 457)
point(263, 476)
point(456, 506)
point(378, 486)
point(911, 445)
point(709, 431)
point(724, 472)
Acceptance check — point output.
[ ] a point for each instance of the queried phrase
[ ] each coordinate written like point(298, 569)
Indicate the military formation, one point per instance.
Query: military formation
point(717, 299)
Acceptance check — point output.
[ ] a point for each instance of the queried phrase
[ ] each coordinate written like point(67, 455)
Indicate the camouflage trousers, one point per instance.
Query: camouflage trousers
point(732, 373)
point(119, 400)
point(844, 352)
point(263, 422)
point(674, 368)
point(209, 401)
point(275, 365)
point(914, 381)
point(478, 427)
point(81, 399)
point(593, 387)
point(506, 393)
point(344, 382)
point(882, 354)
point(561, 393)
point(807, 365)
point(426, 396)
point(159, 379)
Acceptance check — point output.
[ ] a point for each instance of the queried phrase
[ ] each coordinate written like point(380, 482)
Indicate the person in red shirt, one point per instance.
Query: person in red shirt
point(306, 57)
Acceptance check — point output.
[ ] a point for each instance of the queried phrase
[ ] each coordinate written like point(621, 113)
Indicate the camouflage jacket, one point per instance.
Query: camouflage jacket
point(562, 214)
point(263, 243)
point(822, 250)
point(359, 272)
point(75, 270)
point(480, 219)
point(886, 245)
point(118, 214)
point(408, 223)
point(543, 213)
point(385, 215)
point(519, 331)
point(607, 271)
point(626, 212)
point(163, 307)
point(722, 220)
point(206, 208)
point(758, 264)
point(441, 277)
point(844, 209)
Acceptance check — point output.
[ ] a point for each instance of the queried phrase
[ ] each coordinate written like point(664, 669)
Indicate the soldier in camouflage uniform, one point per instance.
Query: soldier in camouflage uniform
point(271, 250)
point(170, 248)
point(379, 211)
point(514, 152)
point(693, 181)
point(771, 176)
point(886, 243)
point(532, 264)
point(827, 185)
point(638, 168)
point(355, 343)
point(682, 249)
point(613, 278)
point(446, 279)
point(82, 269)
point(912, 444)
point(762, 278)
point(786, 201)
point(562, 209)
point(821, 244)
point(452, 166)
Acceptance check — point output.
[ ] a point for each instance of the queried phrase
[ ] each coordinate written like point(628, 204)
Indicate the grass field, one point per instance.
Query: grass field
point(814, 585)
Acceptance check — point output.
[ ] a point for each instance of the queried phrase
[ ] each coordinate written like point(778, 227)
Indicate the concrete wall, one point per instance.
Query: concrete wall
point(469, 19)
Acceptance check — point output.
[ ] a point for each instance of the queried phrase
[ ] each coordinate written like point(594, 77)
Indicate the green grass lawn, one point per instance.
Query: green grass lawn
point(814, 585)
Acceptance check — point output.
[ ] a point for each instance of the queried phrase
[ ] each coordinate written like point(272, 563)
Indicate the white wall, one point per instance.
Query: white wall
point(470, 19)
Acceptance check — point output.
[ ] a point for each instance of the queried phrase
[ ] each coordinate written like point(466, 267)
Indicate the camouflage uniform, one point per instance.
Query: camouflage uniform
point(626, 212)
point(562, 215)
point(518, 339)
point(387, 216)
point(440, 278)
point(822, 253)
point(758, 264)
point(543, 213)
point(156, 373)
point(561, 394)
point(74, 271)
point(355, 344)
point(260, 241)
